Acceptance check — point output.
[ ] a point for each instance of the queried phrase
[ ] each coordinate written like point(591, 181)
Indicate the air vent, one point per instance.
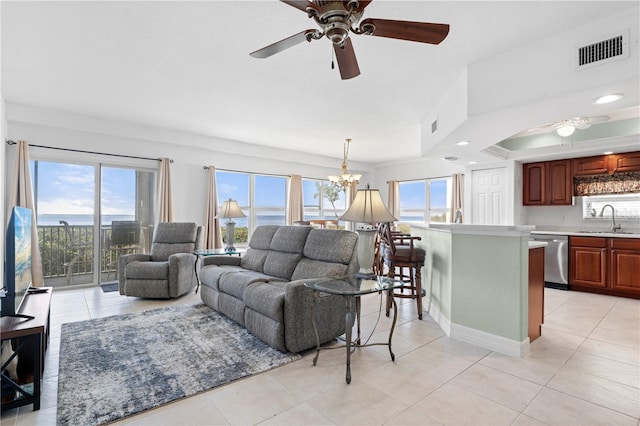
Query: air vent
point(434, 126)
point(603, 51)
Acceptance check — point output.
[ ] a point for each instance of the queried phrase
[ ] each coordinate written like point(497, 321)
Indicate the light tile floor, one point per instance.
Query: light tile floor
point(584, 370)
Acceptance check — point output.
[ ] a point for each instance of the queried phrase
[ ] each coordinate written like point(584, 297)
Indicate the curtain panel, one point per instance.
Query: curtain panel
point(295, 202)
point(457, 197)
point(212, 231)
point(22, 196)
point(165, 203)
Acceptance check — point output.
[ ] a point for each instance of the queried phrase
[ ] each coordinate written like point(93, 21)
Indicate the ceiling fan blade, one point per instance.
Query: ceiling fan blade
point(347, 62)
point(281, 45)
point(423, 32)
point(300, 4)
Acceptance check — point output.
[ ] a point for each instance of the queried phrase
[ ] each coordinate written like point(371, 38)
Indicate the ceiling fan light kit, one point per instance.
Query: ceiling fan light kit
point(337, 18)
point(565, 130)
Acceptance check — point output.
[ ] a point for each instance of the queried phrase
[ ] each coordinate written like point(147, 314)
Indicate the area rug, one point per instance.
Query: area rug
point(108, 288)
point(117, 366)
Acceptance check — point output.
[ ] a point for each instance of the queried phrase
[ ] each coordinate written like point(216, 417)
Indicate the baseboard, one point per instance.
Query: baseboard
point(496, 343)
point(443, 321)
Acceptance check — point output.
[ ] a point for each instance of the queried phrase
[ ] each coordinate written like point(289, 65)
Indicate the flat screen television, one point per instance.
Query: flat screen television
point(17, 262)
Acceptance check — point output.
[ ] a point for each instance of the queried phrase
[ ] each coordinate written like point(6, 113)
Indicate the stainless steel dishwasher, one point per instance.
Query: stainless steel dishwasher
point(556, 260)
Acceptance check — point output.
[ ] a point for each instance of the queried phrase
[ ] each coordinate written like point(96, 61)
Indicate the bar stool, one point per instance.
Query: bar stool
point(399, 253)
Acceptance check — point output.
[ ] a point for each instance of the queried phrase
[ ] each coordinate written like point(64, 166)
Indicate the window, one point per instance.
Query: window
point(627, 206)
point(322, 200)
point(263, 198)
point(427, 200)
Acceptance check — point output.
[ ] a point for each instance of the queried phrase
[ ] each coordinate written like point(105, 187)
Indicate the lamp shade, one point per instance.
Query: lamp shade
point(368, 207)
point(231, 209)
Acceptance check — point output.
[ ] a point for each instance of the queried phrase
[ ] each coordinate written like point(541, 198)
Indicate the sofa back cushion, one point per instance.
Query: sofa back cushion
point(329, 245)
point(280, 264)
point(261, 237)
point(254, 259)
point(286, 251)
point(171, 238)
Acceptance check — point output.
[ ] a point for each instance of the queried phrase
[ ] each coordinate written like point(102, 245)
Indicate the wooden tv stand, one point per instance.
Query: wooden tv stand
point(29, 340)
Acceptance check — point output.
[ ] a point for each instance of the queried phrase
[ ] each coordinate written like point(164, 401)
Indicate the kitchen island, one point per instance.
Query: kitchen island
point(477, 283)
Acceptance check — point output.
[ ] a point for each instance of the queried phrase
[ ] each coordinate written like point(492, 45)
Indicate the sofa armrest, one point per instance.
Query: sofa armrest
point(123, 261)
point(329, 311)
point(182, 273)
point(220, 260)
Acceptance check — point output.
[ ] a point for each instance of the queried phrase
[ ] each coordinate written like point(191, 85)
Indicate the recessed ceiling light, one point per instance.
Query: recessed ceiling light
point(473, 162)
point(462, 143)
point(608, 152)
point(608, 98)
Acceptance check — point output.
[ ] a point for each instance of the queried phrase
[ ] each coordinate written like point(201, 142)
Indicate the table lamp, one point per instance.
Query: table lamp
point(368, 209)
point(230, 209)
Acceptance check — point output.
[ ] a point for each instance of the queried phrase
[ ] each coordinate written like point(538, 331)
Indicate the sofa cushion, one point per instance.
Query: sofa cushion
point(309, 268)
point(147, 270)
point(290, 239)
point(235, 283)
point(267, 299)
point(254, 259)
point(281, 264)
point(210, 275)
point(262, 236)
point(330, 245)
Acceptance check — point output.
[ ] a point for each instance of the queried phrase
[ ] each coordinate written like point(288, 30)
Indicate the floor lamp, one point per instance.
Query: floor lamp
point(367, 209)
point(230, 209)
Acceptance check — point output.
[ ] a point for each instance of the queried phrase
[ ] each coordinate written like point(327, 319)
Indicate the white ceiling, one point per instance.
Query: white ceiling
point(186, 66)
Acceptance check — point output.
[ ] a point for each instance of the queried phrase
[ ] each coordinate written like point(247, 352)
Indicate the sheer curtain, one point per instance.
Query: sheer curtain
point(350, 195)
point(457, 184)
point(295, 201)
point(394, 199)
point(22, 196)
point(165, 205)
point(212, 233)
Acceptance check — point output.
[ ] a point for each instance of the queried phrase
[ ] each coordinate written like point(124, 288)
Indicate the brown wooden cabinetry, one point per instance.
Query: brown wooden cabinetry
point(605, 265)
point(590, 165)
point(607, 164)
point(547, 183)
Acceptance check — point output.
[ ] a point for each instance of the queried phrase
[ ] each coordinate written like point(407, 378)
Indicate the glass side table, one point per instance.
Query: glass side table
point(352, 289)
point(214, 252)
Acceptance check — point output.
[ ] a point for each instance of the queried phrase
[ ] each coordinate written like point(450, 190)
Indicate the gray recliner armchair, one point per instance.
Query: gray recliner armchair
point(169, 270)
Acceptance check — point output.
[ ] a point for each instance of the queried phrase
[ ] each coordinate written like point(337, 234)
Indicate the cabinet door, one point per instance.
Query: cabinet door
point(588, 266)
point(625, 264)
point(590, 165)
point(629, 162)
point(560, 183)
point(534, 183)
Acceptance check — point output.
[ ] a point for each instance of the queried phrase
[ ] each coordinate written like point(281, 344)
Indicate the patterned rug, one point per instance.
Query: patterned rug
point(117, 366)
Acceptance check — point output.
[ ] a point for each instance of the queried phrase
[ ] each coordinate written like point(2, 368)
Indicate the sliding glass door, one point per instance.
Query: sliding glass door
point(88, 214)
point(126, 215)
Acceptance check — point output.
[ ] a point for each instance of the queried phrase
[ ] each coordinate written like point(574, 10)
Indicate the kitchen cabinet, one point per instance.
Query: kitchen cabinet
point(590, 165)
point(536, 292)
point(605, 265)
point(547, 183)
point(624, 259)
point(606, 164)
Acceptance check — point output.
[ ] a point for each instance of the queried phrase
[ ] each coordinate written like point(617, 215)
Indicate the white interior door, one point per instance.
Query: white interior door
point(489, 189)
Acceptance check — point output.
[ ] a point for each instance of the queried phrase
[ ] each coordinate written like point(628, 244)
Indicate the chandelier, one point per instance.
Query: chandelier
point(345, 179)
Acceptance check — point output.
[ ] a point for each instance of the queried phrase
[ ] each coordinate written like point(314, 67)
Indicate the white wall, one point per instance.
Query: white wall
point(189, 179)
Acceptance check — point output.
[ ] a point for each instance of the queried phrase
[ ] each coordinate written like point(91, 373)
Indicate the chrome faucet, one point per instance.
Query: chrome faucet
point(614, 227)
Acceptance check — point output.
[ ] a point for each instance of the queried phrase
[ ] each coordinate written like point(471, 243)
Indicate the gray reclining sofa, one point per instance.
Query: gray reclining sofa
point(264, 290)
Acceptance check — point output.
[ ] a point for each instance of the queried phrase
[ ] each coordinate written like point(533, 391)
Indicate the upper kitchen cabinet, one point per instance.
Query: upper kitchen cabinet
point(547, 183)
point(607, 164)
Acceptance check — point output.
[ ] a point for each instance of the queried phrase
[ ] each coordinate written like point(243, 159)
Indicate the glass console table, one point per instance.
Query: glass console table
point(352, 289)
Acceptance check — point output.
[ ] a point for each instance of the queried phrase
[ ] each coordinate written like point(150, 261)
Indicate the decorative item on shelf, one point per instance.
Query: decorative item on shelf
point(230, 210)
point(345, 178)
point(368, 209)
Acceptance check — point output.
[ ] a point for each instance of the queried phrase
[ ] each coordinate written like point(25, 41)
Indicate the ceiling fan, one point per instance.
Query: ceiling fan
point(336, 18)
point(567, 127)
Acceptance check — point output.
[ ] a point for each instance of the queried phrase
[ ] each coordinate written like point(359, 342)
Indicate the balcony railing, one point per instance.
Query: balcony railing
point(68, 260)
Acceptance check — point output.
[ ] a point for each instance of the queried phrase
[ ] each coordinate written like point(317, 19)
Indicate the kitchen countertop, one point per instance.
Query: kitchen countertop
point(582, 232)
